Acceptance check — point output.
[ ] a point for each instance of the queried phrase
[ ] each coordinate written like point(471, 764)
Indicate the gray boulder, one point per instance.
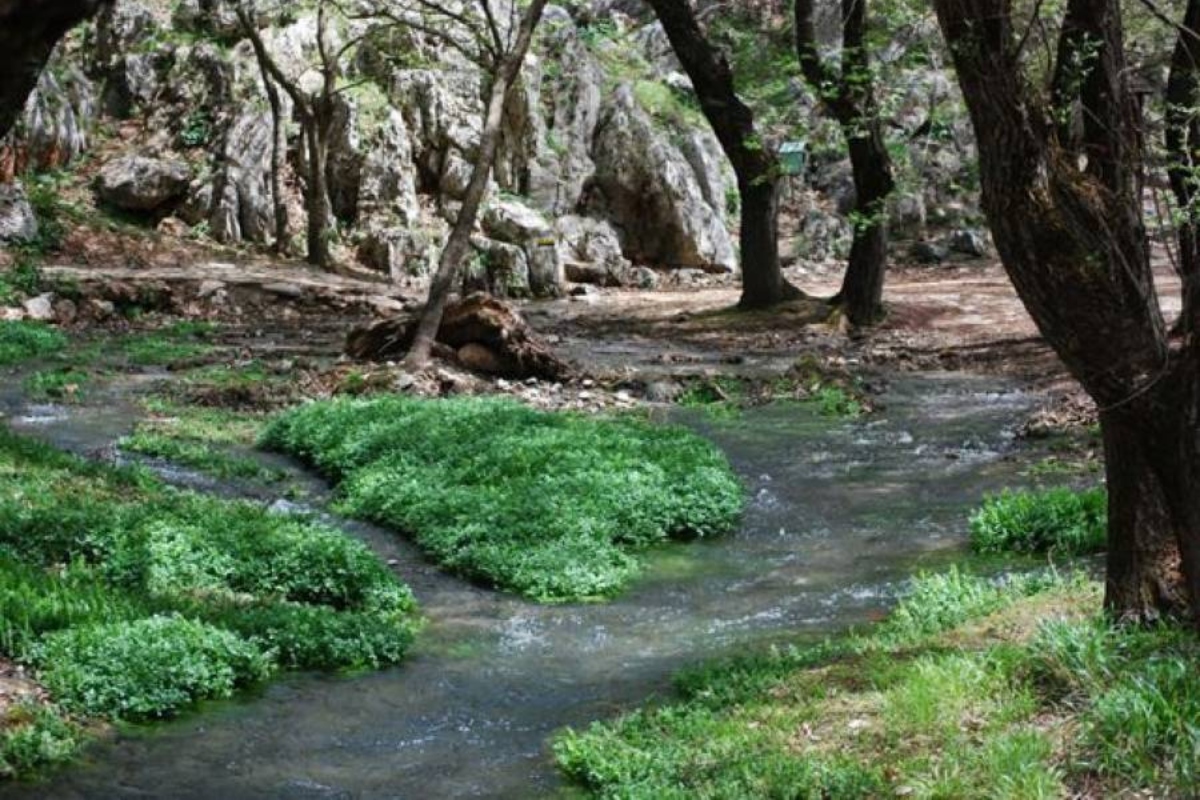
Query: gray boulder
point(499, 268)
point(514, 223)
point(645, 186)
point(591, 251)
point(140, 183)
point(18, 222)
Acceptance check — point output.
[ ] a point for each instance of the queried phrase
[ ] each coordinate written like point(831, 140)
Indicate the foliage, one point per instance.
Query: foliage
point(197, 455)
point(150, 667)
point(32, 737)
point(1021, 691)
point(1061, 521)
point(21, 341)
point(547, 505)
point(131, 599)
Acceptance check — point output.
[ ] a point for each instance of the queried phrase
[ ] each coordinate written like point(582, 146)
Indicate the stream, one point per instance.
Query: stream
point(840, 515)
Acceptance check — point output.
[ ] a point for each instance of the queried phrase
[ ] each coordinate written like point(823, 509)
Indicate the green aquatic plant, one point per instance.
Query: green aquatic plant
point(552, 506)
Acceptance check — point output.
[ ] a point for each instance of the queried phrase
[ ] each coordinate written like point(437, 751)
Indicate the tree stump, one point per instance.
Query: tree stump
point(478, 332)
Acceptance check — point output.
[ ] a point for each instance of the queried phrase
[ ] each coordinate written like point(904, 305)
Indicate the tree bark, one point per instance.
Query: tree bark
point(1065, 209)
point(278, 156)
point(29, 31)
point(320, 210)
point(849, 96)
point(459, 242)
point(754, 163)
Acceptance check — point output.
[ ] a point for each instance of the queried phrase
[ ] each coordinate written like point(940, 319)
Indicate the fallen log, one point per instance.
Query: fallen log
point(478, 332)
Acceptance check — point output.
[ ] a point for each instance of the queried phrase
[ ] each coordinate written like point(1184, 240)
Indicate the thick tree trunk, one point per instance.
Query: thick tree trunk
point(459, 242)
point(1142, 577)
point(762, 282)
point(862, 286)
point(29, 30)
point(1065, 211)
point(754, 163)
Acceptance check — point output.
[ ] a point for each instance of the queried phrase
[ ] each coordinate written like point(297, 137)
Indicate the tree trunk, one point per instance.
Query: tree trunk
point(29, 30)
point(1065, 211)
point(319, 208)
point(459, 242)
point(754, 163)
point(849, 96)
point(762, 282)
point(1142, 578)
point(278, 152)
point(862, 286)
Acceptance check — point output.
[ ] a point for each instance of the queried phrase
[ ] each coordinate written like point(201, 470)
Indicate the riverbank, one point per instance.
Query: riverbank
point(971, 688)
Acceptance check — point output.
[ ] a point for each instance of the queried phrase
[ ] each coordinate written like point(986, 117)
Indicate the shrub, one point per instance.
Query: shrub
point(1060, 521)
point(547, 505)
point(32, 737)
point(21, 341)
point(151, 667)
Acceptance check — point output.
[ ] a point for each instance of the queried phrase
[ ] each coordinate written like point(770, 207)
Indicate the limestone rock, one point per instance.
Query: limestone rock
point(514, 223)
point(499, 268)
point(40, 308)
point(591, 251)
point(18, 222)
point(140, 183)
point(650, 192)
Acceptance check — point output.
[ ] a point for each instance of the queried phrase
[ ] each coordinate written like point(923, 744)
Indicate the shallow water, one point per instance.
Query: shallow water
point(841, 513)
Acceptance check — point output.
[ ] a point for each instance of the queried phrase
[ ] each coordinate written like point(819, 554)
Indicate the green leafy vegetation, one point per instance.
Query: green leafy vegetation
point(21, 341)
point(198, 455)
point(1060, 521)
point(1018, 690)
point(33, 737)
point(132, 600)
point(551, 506)
point(149, 667)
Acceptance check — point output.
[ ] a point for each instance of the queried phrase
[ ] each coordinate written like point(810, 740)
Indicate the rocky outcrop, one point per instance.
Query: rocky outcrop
point(591, 252)
point(55, 127)
point(650, 192)
point(140, 183)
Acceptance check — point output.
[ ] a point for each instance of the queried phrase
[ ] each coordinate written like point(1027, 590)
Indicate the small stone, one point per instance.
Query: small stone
point(40, 308)
point(100, 309)
point(587, 383)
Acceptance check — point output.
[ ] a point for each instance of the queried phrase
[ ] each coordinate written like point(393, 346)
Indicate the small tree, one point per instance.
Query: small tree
point(316, 111)
point(754, 163)
point(499, 46)
point(29, 30)
point(848, 94)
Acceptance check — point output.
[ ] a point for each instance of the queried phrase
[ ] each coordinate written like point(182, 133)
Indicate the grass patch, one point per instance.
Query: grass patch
point(1020, 691)
point(63, 383)
point(552, 506)
point(198, 455)
point(131, 600)
point(1059, 521)
point(22, 341)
